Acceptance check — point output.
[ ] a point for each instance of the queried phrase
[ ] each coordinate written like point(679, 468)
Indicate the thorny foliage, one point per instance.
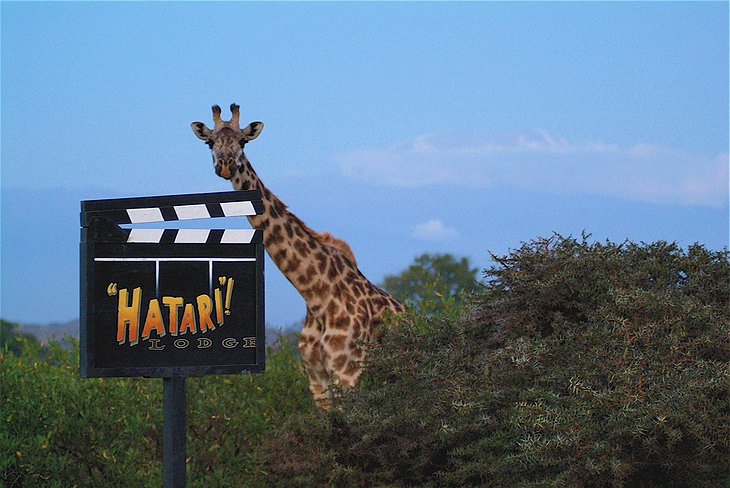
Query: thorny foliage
point(579, 364)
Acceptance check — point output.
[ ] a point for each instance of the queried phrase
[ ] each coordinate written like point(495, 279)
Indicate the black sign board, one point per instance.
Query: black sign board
point(171, 302)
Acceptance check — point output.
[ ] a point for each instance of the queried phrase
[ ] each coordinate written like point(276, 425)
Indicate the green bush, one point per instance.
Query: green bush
point(578, 364)
point(13, 341)
point(58, 430)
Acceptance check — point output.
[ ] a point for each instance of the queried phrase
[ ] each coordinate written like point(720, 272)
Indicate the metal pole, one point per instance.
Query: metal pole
point(173, 432)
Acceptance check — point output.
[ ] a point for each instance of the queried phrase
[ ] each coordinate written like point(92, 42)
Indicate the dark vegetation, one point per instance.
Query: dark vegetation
point(575, 364)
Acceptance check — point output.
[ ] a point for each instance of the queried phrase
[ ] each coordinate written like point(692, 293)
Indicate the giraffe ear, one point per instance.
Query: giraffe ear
point(252, 131)
point(201, 131)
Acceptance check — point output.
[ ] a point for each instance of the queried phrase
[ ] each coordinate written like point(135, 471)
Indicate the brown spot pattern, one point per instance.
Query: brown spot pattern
point(340, 361)
point(336, 342)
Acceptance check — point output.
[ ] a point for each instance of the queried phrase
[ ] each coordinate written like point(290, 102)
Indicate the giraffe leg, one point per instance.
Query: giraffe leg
point(313, 359)
point(346, 368)
point(343, 358)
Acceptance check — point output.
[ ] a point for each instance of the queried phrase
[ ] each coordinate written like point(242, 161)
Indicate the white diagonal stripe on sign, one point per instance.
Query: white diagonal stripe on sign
point(141, 215)
point(237, 236)
point(192, 236)
point(186, 212)
point(145, 235)
point(234, 209)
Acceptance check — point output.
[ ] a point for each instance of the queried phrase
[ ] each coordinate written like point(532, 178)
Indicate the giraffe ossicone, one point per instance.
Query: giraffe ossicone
point(343, 308)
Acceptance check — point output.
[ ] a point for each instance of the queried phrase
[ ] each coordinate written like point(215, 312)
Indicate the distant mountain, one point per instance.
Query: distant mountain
point(52, 331)
point(290, 332)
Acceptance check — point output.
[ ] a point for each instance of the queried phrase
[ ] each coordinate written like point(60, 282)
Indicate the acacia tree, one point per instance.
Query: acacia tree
point(433, 282)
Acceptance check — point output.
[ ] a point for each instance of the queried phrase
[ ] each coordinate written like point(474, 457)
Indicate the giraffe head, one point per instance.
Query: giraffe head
point(226, 140)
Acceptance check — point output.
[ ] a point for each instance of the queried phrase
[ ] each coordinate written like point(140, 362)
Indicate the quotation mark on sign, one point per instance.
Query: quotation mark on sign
point(111, 289)
point(229, 291)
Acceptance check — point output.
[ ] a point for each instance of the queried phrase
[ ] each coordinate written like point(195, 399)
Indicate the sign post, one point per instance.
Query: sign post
point(173, 432)
point(171, 303)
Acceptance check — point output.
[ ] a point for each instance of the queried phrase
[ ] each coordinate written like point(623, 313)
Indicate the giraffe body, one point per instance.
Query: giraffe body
point(343, 308)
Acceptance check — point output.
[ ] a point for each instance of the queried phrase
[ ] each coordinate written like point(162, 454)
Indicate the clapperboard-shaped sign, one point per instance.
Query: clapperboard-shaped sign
point(171, 302)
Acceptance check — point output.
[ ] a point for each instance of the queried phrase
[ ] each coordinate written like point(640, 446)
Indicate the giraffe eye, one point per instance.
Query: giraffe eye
point(210, 144)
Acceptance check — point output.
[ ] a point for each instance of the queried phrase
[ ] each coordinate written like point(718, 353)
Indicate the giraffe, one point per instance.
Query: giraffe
point(343, 308)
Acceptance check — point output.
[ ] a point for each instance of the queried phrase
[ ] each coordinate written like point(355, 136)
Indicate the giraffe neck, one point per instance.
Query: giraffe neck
point(308, 263)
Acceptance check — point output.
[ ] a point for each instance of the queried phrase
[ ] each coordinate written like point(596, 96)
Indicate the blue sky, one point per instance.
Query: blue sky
point(401, 127)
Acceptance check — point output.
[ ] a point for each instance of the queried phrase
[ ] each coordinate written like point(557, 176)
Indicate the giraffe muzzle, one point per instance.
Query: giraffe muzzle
point(225, 170)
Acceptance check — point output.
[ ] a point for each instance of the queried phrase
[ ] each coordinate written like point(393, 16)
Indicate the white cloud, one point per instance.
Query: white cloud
point(540, 160)
point(434, 230)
